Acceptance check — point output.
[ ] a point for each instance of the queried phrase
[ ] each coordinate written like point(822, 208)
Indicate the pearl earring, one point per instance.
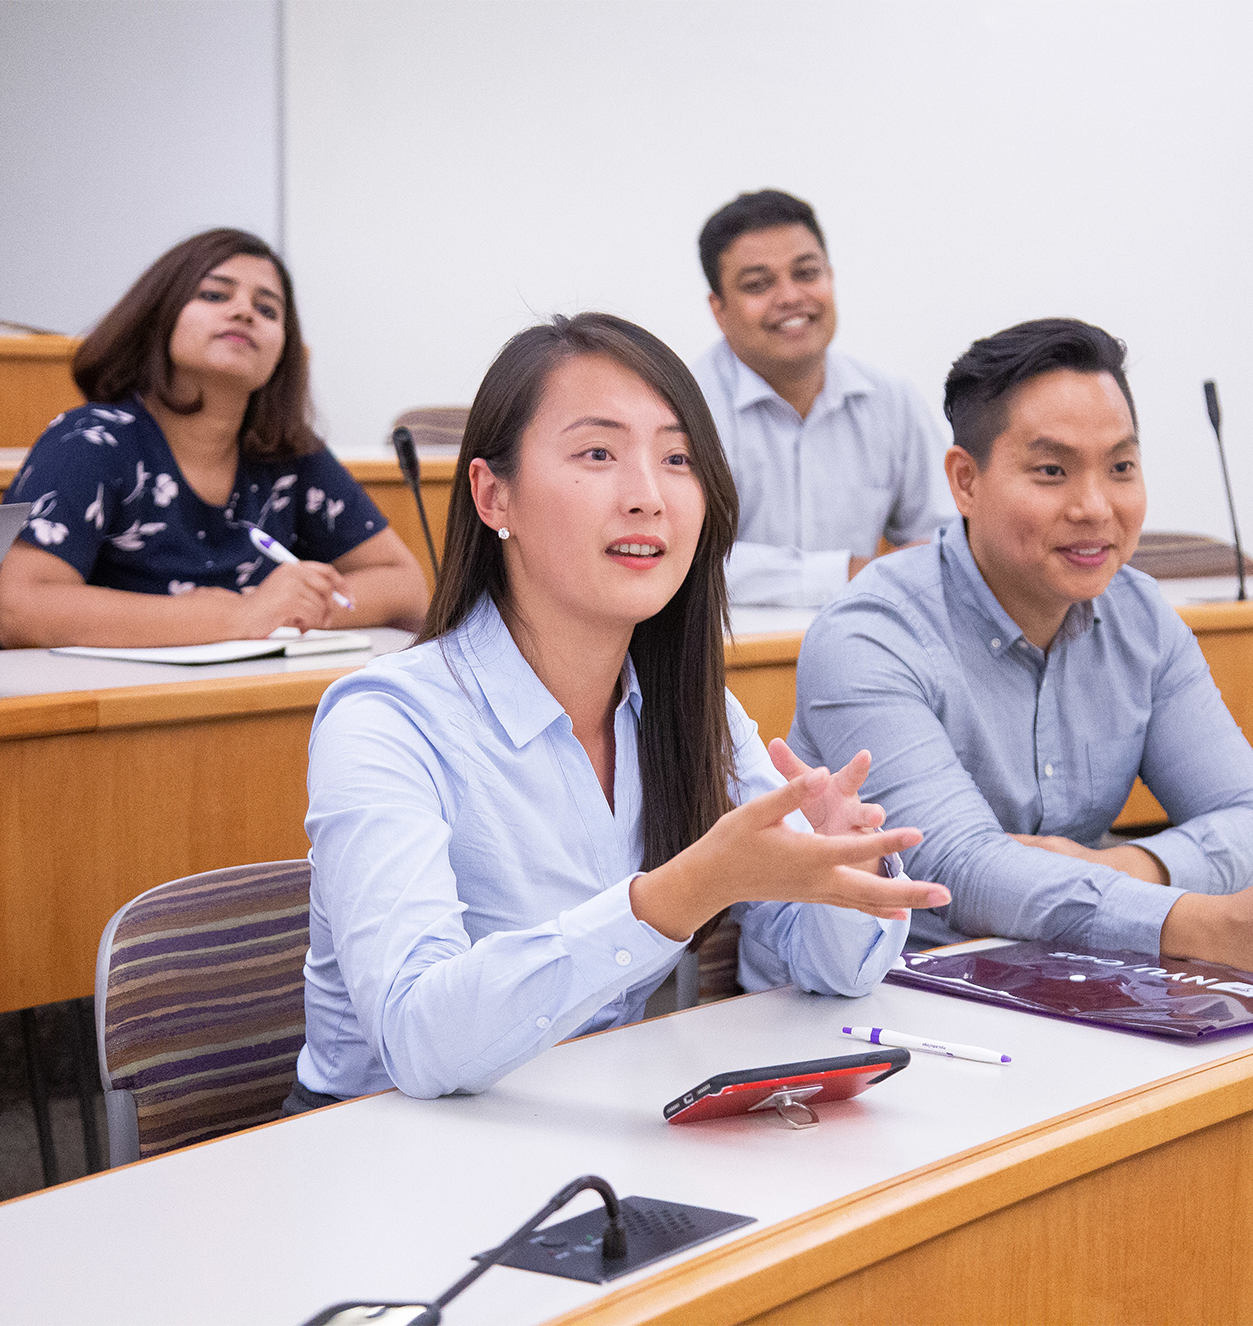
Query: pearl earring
point(503, 532)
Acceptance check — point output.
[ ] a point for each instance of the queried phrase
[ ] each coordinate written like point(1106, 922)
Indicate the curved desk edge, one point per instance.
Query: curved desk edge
point(60, 712)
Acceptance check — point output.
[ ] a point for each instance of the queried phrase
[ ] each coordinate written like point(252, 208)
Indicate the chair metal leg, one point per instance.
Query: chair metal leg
point(39, 1097)
point(85, 1064)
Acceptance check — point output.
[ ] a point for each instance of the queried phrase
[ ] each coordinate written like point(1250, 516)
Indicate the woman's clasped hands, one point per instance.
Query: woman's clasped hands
point(752, 855)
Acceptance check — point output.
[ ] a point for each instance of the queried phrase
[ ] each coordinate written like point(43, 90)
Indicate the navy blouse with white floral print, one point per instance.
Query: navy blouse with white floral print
point(109, 499)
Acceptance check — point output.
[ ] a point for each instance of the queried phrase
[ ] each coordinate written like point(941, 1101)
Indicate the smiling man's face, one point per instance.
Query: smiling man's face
point(777, 307)
point(1058, 507)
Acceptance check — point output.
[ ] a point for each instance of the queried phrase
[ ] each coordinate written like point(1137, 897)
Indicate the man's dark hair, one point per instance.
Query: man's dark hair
point(980, 384)
point(751, 211)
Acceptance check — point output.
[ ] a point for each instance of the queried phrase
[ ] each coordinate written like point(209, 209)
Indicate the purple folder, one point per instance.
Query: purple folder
point(1130, 991)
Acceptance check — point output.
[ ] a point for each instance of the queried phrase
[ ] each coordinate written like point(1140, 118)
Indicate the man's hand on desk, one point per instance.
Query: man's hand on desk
point(1214, 928)
point(1131, 860)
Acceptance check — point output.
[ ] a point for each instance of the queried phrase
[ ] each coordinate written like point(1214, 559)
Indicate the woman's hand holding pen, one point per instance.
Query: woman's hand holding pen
point(751, 855)
point(297, 594)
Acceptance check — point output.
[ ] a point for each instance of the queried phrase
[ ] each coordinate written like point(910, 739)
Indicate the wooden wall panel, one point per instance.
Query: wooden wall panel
point(35, 385)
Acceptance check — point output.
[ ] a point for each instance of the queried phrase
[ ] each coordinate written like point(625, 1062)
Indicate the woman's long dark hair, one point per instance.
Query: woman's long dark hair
point(685, 753)
point(128, 352)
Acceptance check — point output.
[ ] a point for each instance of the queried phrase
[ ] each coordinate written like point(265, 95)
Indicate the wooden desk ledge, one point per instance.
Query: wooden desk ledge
point(172, 702)
point(749, 1277)
point(763, 651)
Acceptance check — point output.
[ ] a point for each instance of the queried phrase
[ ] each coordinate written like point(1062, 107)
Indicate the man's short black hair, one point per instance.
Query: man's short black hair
point(979, 385)
point(751, 211)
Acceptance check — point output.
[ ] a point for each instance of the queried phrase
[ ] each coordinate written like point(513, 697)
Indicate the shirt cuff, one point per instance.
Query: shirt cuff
point(824, 575)
point(1178, 852)
point(610, 945)
point(1130, 915)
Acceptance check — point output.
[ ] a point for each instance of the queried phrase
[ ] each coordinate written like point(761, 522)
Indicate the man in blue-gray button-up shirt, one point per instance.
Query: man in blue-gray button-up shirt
point(829, 455)
point(1013, 676)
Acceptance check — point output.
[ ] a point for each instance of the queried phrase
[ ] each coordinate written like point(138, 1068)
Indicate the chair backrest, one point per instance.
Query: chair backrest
point(1185, 556)
point(434, 425)
point(200, 1008)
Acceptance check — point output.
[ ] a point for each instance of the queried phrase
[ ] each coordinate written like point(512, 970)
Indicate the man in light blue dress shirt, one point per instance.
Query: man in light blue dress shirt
point(829, 455)
point(1013, 676)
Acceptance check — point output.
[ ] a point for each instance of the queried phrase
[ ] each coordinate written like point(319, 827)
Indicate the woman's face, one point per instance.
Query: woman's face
point(605, 510)
point(233, 328)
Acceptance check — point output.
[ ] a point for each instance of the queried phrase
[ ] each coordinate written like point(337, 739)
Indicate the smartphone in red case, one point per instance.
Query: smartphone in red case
point(811, 1082)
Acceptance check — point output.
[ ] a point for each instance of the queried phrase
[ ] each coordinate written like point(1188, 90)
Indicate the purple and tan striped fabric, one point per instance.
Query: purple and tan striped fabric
point(204, 1011)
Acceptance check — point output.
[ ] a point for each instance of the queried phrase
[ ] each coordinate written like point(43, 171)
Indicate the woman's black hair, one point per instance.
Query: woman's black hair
point(685, 753)
point(128, 352)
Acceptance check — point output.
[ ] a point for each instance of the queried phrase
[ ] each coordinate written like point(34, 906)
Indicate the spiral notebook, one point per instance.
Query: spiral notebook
point(1113, 988)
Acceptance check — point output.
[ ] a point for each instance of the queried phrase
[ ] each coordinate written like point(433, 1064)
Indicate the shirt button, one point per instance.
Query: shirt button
point(200, 534)
point(1048, 771)
point(996, 644)
point(1022, 644)
point(543, 1023)
point(622, 958)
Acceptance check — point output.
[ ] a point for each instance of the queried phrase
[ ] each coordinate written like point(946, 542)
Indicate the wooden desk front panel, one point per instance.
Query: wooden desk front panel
point(1163, 1237)
point(89, 820)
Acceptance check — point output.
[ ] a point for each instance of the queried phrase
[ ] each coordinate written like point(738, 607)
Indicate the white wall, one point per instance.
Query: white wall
point(457, 167)
point(125, 126)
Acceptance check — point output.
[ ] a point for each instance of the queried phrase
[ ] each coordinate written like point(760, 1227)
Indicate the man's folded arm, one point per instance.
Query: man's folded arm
point(1199, 765)
point(863, 695)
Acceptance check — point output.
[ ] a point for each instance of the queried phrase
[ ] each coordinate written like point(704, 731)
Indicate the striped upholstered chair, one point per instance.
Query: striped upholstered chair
point(200, 1006)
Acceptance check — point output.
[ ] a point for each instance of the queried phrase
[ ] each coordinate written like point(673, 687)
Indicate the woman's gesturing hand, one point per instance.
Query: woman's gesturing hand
point(750, 855)
point(836, 808)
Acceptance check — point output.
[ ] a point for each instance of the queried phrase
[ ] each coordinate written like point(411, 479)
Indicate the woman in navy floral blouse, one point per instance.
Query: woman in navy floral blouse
point(197, 429)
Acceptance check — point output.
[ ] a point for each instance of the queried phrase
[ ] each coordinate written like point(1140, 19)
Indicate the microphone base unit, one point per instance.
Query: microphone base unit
point(654, 1230)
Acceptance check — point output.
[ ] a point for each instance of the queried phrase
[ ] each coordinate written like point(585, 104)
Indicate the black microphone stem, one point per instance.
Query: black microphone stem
point(613, 1244)
point(1215, 418)
point(407, 455)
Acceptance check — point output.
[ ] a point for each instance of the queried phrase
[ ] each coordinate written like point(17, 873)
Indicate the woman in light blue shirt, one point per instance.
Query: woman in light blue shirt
point(520, 824)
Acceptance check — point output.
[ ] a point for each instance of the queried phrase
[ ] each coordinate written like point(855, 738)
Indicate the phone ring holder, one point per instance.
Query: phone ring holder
point(791, 1098)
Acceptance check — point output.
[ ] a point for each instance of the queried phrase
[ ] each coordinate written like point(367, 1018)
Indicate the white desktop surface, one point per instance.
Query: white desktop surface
point(1210, 589)
point(41, 672)
point(753, 619)
point(387, 1197)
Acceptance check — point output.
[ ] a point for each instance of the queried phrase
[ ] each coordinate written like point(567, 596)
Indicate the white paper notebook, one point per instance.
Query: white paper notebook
point(286, 641)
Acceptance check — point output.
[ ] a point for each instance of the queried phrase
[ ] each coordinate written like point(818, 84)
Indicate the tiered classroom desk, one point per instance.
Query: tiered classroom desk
point(1102, 1177)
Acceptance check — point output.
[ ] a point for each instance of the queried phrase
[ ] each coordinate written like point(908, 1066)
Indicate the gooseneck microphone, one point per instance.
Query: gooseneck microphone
point(613, 1245)
point(407, 455)
point(1215, 418)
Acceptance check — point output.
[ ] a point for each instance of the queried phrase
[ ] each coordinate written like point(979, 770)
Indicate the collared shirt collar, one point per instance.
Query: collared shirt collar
point(843, 379)
point(1001, 631)
point(522, 704)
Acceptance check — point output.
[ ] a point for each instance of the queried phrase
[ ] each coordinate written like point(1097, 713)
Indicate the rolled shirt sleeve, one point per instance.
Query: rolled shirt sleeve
point(785, 577)
point(1199, 765)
